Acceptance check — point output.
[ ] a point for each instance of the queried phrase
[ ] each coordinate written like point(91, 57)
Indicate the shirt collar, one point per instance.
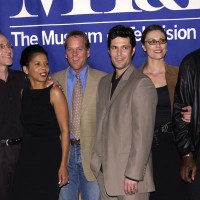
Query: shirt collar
point(83, 72)
point(117, 79)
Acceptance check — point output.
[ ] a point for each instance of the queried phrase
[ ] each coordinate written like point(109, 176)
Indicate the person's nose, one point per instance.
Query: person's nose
point(158, 43)
point(75, 52)
point(119, 51)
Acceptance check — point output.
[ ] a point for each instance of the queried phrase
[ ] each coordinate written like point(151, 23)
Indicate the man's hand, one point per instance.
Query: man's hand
point(186, 114)
point(53, 82)
point(50, 81)
point(130, 186)
point(188, 168)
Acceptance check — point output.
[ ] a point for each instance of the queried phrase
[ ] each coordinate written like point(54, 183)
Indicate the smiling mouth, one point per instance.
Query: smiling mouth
point(8, 56)
point(119, 59)
point(43, 74)
point(158, 51)
point(75, 58)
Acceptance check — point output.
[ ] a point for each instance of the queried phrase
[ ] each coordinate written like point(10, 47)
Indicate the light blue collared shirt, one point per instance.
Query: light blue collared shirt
point(71, 80)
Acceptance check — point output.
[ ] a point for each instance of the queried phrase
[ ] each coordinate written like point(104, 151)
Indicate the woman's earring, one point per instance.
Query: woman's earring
point(26, 77)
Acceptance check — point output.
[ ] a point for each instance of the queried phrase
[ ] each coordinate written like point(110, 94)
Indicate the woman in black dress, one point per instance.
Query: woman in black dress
point(165, 157)
point(42, 167)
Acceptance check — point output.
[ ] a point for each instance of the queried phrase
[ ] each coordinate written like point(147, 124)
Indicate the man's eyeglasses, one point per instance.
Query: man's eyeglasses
point(8, 45)
point(154, 42)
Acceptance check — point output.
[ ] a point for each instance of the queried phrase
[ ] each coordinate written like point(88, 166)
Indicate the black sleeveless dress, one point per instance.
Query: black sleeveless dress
point(37, 172)
point(166, 161)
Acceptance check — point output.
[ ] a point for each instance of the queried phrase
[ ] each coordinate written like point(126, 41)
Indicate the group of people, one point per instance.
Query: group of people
point(130, 135)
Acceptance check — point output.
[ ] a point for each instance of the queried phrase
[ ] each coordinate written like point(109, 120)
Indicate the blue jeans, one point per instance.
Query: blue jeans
point(77, 182)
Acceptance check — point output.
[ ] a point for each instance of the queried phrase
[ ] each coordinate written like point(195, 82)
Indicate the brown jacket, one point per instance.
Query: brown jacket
point(171, 79)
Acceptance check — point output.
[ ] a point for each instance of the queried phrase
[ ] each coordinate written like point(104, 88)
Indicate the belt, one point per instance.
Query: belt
point(9, 142)
point(75, 142)
point(166, 128)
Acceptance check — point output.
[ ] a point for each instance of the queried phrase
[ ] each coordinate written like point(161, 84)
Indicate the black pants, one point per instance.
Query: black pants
point(8, 160)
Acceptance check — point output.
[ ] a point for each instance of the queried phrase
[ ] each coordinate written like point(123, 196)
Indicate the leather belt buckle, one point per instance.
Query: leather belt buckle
point(167, 128)
point(75, 142)
point(7, 142)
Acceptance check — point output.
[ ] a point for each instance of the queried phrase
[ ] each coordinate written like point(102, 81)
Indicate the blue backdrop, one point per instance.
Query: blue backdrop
point(46, 22)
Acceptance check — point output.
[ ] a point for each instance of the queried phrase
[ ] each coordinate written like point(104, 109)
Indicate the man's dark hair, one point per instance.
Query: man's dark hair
point(121, 31)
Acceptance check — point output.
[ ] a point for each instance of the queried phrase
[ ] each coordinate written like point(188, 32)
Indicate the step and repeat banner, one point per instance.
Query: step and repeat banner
point(47, 22)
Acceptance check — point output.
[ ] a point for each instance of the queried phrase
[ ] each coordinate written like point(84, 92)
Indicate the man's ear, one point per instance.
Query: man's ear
point(133, 51)
point(88, 53)
point(109, 52)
